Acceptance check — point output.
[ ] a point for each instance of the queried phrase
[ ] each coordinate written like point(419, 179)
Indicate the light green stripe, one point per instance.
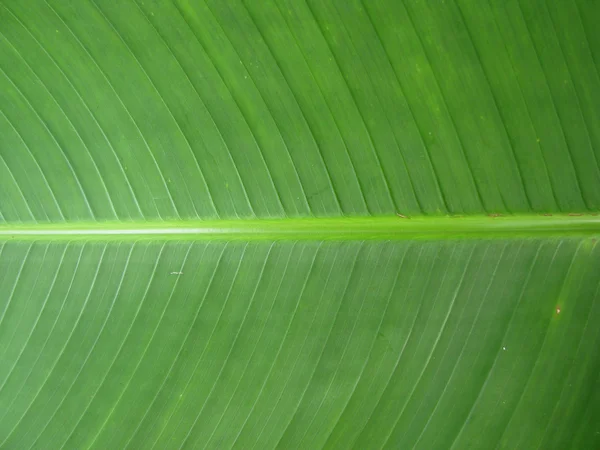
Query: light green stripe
point(318, 228)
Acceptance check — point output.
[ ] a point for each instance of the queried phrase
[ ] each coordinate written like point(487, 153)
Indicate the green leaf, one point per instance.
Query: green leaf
point(299, 224)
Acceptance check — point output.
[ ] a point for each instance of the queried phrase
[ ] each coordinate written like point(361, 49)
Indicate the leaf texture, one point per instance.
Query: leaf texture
point(203, 109)
point(299, 344)
point(199, 236)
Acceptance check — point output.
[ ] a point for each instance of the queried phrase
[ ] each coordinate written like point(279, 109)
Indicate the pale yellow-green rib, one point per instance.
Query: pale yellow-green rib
point(317, 228)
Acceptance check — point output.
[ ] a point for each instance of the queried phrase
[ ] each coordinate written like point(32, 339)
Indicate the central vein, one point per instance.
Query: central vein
point(316, 228)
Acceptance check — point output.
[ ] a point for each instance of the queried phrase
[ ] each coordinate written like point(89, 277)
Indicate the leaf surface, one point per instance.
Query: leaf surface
point(299, 224)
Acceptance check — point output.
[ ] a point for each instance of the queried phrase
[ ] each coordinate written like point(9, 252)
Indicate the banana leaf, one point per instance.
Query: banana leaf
point(336, 224)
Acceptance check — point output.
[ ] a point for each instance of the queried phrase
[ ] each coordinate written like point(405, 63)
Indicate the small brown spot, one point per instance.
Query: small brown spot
point(575, 214)
point(557, 310)
point(494, 215)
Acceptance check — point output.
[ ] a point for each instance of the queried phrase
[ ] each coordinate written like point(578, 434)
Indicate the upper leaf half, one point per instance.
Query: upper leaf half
point(152, 109)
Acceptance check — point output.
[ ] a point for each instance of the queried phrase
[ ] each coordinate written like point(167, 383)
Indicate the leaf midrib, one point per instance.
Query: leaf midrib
point(346, 228)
